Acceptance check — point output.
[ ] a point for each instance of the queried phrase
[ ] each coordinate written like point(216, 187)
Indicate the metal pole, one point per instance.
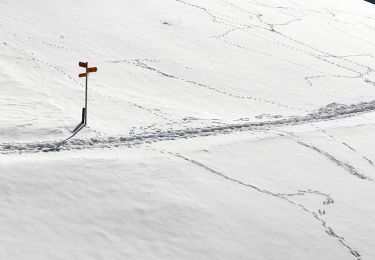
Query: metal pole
point(86, 101)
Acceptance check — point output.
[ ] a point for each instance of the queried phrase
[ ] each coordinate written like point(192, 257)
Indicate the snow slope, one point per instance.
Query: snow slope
point(217, 129)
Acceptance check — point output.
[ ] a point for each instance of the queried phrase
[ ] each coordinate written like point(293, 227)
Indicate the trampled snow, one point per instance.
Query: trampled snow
point(217, 129)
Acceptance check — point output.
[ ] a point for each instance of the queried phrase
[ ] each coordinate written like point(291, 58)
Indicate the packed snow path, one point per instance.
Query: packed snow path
point(331, 112)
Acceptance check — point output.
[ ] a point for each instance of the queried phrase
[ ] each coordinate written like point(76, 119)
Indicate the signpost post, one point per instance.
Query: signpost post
point(86, 75)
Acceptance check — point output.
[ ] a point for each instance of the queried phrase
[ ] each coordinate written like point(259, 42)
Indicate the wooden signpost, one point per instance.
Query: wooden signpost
point(86, 75)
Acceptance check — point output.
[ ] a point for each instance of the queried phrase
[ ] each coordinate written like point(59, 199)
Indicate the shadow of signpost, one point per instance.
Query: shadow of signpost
point(78, 127)
point(76, 130)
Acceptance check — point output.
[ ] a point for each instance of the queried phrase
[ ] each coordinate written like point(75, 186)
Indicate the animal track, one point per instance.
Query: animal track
point(316, 216)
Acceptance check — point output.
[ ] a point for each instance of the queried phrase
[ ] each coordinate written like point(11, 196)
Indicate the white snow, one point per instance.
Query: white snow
point(217, 129)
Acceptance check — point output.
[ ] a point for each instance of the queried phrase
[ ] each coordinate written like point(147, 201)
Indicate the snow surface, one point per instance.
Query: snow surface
point(217, 129)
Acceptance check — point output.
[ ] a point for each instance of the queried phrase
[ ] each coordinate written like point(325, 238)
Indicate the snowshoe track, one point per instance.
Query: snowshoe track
point(332, 111)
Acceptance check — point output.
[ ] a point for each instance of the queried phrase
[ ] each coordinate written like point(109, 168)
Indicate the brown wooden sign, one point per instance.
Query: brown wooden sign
point(83, 64)
point(92, 69)
point(88, 70)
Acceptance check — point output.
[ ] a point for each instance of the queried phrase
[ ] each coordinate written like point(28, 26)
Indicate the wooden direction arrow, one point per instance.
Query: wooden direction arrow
point(92, 69)
point(83, 64)
point(88, 70)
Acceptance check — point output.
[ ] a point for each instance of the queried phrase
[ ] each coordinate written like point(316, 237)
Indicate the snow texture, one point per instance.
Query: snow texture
point(217, 129)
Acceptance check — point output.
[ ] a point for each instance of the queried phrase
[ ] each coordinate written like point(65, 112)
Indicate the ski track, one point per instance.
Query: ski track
point(143, 65)
point(330, 231)
point(348, 146)
point(271, 27)
point(346, 166)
